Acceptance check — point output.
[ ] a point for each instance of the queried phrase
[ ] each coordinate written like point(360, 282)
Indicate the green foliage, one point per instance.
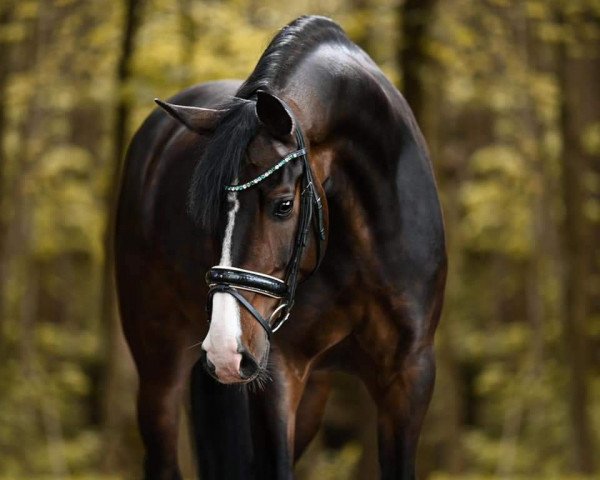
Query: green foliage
point(495, 218)
point(69, 216)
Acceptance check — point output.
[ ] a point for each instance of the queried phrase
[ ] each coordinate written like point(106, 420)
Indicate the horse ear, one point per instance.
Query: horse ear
point(274, 114)
point(196, 119)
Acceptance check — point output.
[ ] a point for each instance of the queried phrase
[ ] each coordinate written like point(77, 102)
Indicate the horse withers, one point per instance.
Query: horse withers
point(271, 231)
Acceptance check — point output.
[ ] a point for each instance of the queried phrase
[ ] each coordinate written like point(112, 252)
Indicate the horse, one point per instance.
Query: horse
point(269, 232)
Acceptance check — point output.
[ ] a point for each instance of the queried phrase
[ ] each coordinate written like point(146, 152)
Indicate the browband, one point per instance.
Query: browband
point(268, 173)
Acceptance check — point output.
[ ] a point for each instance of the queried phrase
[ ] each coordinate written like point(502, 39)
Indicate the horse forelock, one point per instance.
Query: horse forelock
point(220, 163)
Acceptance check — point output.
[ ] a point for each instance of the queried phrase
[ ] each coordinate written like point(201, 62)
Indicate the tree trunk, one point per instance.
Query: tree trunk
point(579, 82)
point(521, 409)
point(188, 38)
point(117, 375)
point(5, 62)
point(416, 15)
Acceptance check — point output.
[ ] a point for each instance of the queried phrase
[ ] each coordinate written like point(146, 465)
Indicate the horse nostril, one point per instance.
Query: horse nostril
point(248, 366)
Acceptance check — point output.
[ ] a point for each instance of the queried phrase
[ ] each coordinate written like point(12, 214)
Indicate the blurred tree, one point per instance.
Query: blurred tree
point(416, 18)
point(5, 20)
point(117, 376)
point(188, 37)
point(579, 73)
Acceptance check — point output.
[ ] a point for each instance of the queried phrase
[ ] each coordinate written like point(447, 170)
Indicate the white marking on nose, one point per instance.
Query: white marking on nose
point(226, 249)
point(225, 332)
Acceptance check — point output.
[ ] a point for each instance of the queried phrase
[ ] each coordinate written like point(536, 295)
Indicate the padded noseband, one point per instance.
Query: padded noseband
point(247, 280)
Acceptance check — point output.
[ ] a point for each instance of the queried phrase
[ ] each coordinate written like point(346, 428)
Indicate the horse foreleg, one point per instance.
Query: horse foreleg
point(163, 373)
point(158, 417)
point(402, 405)
point(311, 409)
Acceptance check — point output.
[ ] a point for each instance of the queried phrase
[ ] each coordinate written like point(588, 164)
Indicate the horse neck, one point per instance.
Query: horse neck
point(382, 192)
point(353, 121)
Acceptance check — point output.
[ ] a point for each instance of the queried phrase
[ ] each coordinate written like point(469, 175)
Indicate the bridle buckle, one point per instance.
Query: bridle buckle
point(278, 323)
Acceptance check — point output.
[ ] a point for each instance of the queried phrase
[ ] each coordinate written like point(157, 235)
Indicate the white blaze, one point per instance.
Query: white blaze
point(225, 330)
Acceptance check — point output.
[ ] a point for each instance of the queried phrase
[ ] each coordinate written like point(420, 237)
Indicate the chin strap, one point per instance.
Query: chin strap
point(229, 279)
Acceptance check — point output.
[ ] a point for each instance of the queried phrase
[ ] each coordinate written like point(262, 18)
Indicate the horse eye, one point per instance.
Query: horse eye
point(284, 208)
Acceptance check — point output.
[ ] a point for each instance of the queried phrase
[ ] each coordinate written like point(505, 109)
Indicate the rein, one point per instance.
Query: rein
point(230, 279)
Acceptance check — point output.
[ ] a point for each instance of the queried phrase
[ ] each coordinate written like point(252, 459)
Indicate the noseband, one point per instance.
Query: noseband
point(230, 279)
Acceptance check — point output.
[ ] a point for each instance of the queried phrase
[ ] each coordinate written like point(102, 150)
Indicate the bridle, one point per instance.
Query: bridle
point(230, 279)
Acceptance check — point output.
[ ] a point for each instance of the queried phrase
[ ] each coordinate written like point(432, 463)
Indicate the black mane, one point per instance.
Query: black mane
point(221, 161)
point(287, 49)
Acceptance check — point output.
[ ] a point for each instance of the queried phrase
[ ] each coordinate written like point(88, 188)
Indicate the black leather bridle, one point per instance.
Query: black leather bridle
point(230, 279)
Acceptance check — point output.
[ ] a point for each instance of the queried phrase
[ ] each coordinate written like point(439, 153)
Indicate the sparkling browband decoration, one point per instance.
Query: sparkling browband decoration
point(269, 172)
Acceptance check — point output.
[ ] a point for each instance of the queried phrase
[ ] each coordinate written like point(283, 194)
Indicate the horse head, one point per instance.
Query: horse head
point(255, 171)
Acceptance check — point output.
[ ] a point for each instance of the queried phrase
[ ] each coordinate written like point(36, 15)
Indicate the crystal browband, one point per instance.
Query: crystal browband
point(269, 172)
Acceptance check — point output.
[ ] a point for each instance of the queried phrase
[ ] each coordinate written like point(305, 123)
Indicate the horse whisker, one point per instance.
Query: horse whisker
point(194, 345)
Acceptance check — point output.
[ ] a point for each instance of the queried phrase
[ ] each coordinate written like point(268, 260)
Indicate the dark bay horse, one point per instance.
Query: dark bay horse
point(308, 186)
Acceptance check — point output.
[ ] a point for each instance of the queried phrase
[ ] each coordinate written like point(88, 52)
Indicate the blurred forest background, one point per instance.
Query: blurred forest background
point(507, 93)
